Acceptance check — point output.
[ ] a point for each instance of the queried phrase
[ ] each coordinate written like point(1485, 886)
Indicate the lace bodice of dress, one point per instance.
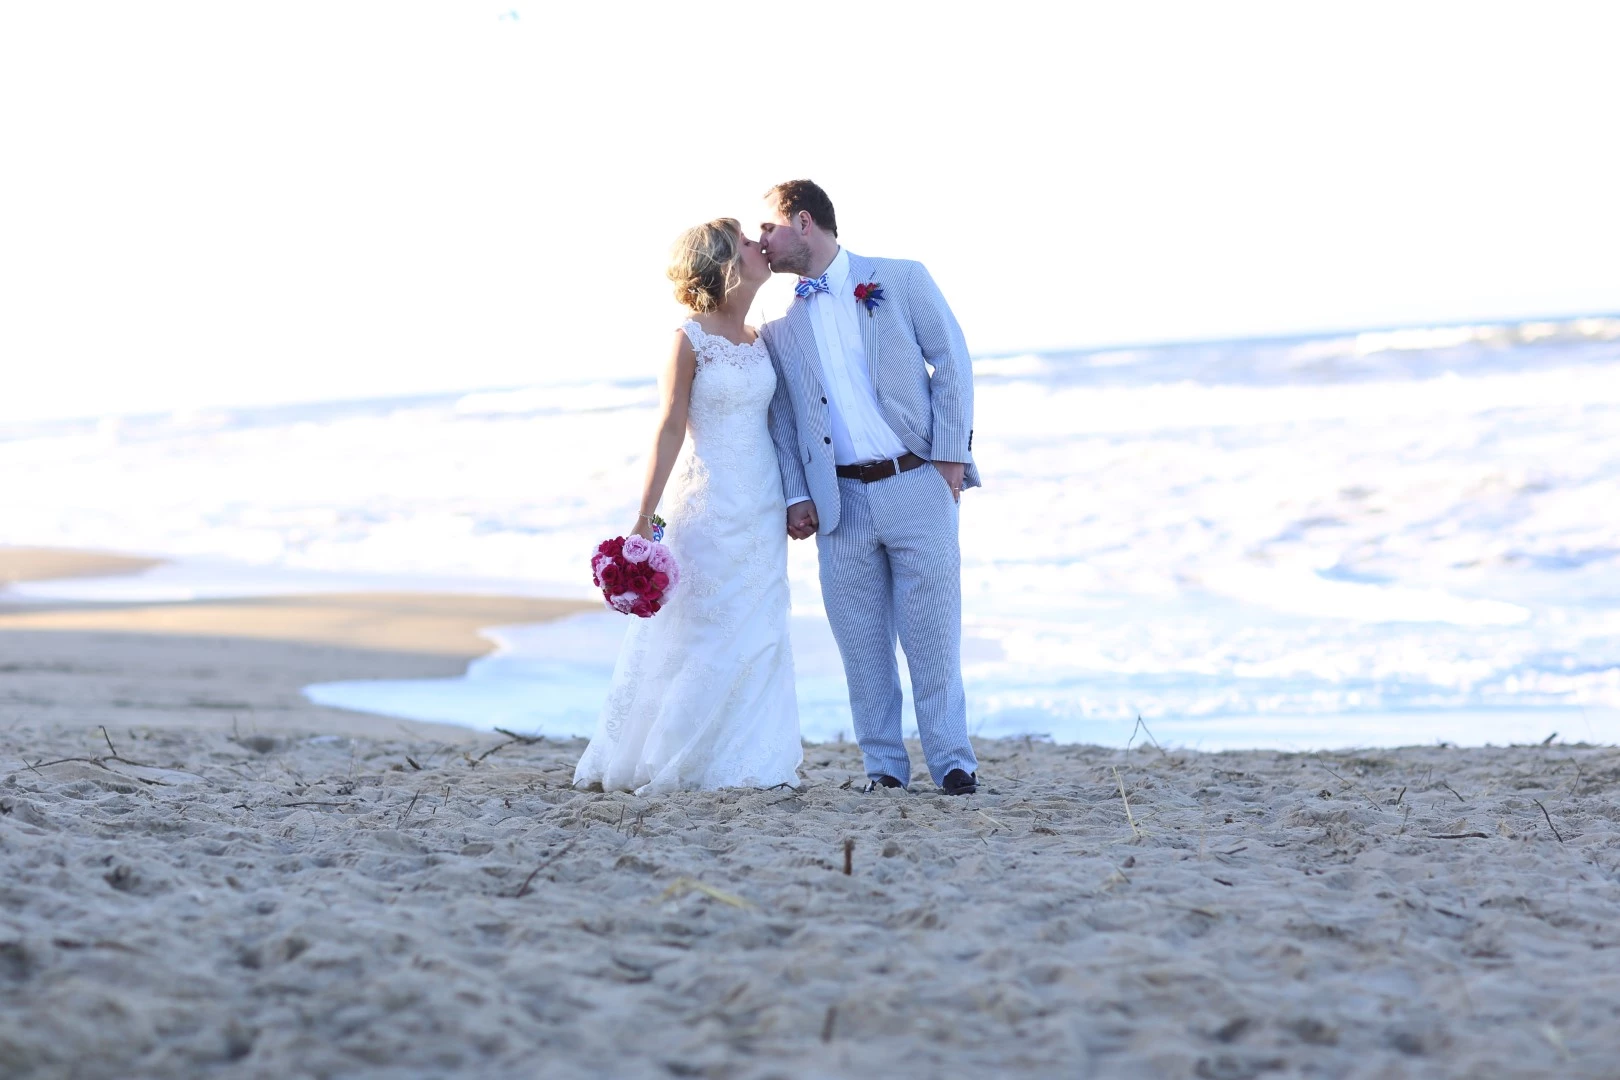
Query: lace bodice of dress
point(731, 390)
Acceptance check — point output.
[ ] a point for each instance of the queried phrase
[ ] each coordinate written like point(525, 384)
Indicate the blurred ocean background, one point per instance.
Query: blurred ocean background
point(1371, 538)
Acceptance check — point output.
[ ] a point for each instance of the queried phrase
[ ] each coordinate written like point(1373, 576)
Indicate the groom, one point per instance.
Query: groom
point(874, 452)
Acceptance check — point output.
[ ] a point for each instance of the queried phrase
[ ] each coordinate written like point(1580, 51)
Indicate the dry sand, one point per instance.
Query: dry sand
point(333, 907)
point(38, 564)
point(319, 894)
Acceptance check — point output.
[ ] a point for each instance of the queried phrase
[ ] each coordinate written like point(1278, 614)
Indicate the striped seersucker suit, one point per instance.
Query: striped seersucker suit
point(890, 561)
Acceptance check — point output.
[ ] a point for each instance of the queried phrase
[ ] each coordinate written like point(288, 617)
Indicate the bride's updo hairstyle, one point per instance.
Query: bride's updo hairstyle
point(703, 263)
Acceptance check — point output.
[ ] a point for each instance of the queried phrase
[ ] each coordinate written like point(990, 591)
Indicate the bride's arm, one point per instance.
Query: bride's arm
point(676, 391)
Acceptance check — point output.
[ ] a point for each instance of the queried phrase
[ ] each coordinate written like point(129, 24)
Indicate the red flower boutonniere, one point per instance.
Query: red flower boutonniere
point(871, 294)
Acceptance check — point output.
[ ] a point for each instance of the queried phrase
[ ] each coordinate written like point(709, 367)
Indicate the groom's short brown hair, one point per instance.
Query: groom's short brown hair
point(793, 196)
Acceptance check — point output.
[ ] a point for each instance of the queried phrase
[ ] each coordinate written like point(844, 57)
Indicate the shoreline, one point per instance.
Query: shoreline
point(231, 664)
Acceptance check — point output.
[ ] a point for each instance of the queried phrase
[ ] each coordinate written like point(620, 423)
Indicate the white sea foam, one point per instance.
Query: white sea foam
point(1349, 527)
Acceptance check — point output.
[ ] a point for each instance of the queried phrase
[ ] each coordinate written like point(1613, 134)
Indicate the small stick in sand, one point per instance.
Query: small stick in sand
point(409, 808)
point(684, 885)
point(524, 739)
point(1356, 789)
point(100, 763)
point(1128, 815)
point(1401, 796)
point(828, 1022)
point(118, 757)
point(412, 762)
point(849, 856)
point(1548, 816)
point(1548, 740)
point(1144, 727)
point(498, 746)
point(559, 853)
point(1453, 790)
point(1458, 836)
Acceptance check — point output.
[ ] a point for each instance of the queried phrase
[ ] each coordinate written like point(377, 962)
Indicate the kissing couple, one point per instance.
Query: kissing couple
point(849, 418)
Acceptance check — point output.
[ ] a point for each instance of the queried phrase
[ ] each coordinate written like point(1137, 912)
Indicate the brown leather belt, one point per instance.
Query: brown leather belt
point(879, 470)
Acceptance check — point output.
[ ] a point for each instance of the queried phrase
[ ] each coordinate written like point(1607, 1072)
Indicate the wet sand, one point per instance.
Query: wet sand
point(234, 664)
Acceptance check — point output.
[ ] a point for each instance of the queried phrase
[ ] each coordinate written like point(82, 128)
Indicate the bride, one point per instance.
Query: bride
point(702, 693)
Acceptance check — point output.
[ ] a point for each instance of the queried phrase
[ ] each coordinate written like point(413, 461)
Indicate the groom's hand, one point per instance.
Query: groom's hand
point(952, 472)
point(802, 520)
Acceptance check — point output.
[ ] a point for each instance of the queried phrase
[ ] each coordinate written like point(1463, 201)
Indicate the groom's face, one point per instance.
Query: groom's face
point(784, 241)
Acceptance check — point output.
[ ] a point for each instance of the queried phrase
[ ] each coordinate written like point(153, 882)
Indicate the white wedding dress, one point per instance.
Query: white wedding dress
point(702, 693)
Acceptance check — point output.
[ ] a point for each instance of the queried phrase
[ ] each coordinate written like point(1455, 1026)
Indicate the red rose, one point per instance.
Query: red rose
point(612, 577)
point(660, 581)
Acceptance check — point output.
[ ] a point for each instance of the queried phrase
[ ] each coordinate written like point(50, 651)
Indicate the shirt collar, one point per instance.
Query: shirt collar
point(838, 272)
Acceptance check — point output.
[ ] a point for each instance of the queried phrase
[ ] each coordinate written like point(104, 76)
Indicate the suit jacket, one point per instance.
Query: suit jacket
point(920, 371)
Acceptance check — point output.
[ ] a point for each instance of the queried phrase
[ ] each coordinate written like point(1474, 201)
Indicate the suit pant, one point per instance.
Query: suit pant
point(893, 568)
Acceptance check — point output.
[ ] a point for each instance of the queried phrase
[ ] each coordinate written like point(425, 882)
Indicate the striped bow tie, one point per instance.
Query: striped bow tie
point(809, 286)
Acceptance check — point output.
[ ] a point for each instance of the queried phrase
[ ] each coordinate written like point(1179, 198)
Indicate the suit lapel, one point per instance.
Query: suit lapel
point(860, 272)
point(802, 341)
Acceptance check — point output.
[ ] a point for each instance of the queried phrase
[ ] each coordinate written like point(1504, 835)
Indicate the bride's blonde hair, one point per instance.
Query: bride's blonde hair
point(703, 263)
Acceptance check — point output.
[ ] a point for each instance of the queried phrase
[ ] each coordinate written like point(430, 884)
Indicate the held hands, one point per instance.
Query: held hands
point(952, 472)
point(802, 520)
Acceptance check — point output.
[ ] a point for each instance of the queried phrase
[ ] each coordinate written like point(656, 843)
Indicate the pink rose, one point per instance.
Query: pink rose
point(596, 567)
point(662, 561)
point(625, 602)
point(636, 549)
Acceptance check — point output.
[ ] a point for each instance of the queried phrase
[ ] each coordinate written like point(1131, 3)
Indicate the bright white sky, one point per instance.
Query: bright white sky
point(224, 203)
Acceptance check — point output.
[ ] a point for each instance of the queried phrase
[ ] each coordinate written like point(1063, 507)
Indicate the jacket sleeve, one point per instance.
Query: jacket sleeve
point(785, 431)
point(945, 349)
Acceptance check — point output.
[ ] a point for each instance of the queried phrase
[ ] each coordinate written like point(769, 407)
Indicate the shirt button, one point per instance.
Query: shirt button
point(826, 438)
point(824, 401)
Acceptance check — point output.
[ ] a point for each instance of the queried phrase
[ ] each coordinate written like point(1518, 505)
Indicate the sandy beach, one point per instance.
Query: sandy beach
point(205, 875)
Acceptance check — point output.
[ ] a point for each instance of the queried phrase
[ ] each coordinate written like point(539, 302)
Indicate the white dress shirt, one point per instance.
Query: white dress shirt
point(859, 432)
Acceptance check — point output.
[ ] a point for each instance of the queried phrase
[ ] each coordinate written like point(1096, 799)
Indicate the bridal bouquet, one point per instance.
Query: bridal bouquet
point(636, 575)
